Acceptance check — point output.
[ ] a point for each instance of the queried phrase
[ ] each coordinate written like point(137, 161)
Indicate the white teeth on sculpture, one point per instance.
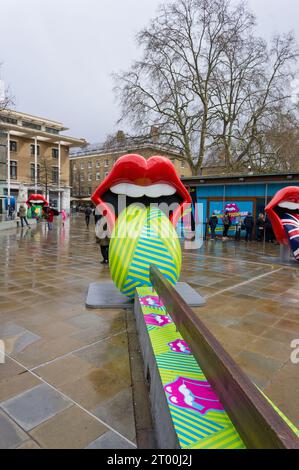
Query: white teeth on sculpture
point(136, 191)
point(289, 205)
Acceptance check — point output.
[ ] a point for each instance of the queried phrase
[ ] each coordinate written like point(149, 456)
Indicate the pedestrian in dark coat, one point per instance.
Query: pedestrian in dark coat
point(213, 222)
point(260, 227)
point(226, 224)
point(103, 234)
point(88, 212)
point(249, 224)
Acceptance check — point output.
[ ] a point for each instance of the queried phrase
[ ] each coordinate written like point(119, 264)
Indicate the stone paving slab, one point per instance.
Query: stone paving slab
point(110, 440)
point(11, 435)
point(34, 406)
point(70, 429)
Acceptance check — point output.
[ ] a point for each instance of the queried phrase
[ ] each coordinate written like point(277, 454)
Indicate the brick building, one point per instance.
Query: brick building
point(92, 163)
point(34, 158)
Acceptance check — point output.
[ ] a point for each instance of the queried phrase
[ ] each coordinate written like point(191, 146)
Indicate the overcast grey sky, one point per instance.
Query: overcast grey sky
point(58, 55)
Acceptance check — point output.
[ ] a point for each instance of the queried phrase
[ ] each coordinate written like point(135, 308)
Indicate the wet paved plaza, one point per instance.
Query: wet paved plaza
point(73, 376)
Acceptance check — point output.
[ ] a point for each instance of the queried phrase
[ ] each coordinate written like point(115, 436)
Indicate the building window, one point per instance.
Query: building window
point(13, 169)
point(82, 166)
point(51, 130)
point(182, 164)
point(74, 167)
point(82, 177)
point(98, 176)
point(55, 153)
point(98, 164)
point(13, 146)
point(89, 177)
point(106, 174)
point(89, 164)
point(55, 173)
point(32, 149)
point(9, 120)
point(106, 163)
point(32, 172)
point(89, 191)
point(31, 125)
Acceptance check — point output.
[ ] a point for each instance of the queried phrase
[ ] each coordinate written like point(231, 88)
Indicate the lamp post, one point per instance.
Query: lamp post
point(8, 170)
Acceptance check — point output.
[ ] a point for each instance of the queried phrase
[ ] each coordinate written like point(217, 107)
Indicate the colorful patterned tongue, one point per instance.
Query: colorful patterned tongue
point(291, 226)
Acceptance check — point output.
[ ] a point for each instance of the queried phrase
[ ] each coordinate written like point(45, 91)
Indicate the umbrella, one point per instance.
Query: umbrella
point(55, 211)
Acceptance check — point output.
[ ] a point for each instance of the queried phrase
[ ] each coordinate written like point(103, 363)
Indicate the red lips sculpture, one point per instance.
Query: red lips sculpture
point(283, 212)
point(136, 170)
point(37, 199)
point(289, 194)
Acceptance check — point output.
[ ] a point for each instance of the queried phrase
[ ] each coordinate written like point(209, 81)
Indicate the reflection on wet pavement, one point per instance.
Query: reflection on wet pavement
point(77, 360)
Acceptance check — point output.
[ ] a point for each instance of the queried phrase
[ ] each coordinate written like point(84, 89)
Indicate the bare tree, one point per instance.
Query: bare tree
point(281, 142)
point(6, 101)
point(78, 187)
point(44, 175)
point(206, 81)
point(46, 179)
point(252, 87)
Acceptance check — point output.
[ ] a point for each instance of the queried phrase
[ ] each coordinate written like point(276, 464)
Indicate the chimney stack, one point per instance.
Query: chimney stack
point(154, 133)
point(120, 137)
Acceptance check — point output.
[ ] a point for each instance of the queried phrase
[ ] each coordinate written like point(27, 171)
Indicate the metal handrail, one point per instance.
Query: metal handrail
point(257, 422)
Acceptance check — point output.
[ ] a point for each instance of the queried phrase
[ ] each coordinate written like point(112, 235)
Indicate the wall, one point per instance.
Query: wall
point(24, 158)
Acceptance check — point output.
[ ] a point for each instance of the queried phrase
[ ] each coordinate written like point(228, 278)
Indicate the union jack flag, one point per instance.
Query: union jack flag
point(291, 226)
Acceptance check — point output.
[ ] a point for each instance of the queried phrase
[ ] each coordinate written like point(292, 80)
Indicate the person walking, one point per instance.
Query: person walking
point(249, 224)
point(270, 237)
point(23, 216)
point(63, 216)
point(50, 218)
point(102, 233)
point(97, 215)
point(238, 230)
point(88, 212)
point(11, 212)
point(226, 225)
point(213, 222)
point(260, 225)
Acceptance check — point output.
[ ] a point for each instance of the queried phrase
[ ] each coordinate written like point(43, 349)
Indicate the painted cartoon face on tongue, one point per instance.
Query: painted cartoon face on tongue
point(179, 346)
point(283, 212)
point(193, 394)
point(151, 301)
point(157, 320)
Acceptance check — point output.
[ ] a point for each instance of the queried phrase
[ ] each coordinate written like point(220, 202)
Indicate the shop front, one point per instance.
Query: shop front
point(237, 195)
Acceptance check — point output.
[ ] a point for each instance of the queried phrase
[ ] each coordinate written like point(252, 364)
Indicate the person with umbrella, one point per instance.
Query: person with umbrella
point(50, 212)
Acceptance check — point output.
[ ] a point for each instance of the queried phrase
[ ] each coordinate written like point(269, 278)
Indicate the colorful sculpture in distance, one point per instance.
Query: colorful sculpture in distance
point(283, 212)
point(36, 204)
point(136, 197)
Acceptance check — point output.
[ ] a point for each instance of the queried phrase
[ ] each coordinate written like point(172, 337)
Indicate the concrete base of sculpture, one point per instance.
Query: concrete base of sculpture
point(286, 254)
point(106, 295)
